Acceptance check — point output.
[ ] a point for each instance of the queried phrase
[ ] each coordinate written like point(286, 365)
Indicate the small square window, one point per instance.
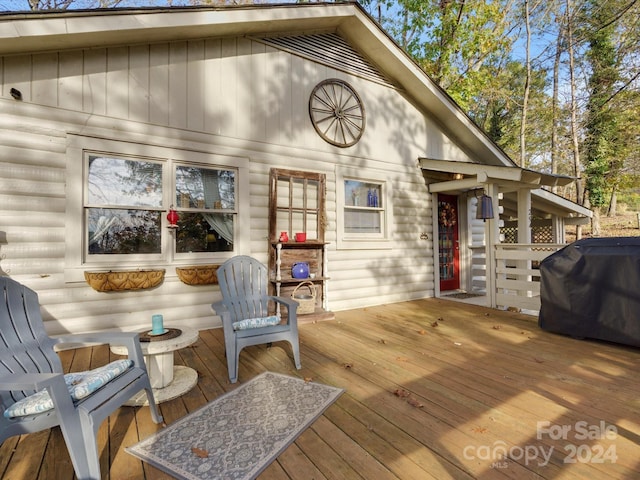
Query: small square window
point(364, 219)
point(363, 212)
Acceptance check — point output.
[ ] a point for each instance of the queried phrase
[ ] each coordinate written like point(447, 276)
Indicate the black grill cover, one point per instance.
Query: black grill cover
point(591, 289)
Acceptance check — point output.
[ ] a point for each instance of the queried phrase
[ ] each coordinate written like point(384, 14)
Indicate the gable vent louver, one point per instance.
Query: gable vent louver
point(329, 49)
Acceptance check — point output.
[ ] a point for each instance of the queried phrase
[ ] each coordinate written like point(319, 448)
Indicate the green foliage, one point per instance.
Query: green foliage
point(470, 49)
point(602, 142)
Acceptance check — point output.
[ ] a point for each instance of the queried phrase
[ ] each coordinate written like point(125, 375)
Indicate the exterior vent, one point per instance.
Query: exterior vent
point(329, 49)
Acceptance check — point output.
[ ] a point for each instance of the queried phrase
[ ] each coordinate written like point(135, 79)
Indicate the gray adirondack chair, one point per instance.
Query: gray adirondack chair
point(29, 364)
point(246, 319)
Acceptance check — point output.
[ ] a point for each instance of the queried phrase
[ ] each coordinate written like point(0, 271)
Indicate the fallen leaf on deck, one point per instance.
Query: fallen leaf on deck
point(198, 452)
point(308, 379)
point(480, 430)
point(441, 319)
point(401, 392)
point(435, 324)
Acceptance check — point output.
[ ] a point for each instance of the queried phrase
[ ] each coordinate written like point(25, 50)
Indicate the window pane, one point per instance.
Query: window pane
point(116, 181)
point(362, 221)
point(205, 188)
point(114, 231)
point(204, 232)
point(361, 194)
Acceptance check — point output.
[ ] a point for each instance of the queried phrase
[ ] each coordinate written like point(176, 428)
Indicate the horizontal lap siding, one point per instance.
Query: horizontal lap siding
point(232, 96)
point(32, 199)
point(405, 271)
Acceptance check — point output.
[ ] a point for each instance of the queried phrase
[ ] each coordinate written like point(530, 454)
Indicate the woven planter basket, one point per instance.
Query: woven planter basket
point(198, 275)
point(115, 281)
point(307, 301)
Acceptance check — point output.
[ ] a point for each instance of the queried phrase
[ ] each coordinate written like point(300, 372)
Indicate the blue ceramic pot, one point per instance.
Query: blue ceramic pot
point(300, 270)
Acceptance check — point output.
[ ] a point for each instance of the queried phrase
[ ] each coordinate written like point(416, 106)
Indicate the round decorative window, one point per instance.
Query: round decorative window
point(337, 112)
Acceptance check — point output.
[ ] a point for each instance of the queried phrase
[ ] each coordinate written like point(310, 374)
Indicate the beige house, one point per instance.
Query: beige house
point(112, 119)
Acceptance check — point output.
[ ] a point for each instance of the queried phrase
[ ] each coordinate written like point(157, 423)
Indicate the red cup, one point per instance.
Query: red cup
point(301, 237)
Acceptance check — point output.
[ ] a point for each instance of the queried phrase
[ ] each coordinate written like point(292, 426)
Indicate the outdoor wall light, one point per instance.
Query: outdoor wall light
point(16, 94)
point(173, 218)
point(484, 209)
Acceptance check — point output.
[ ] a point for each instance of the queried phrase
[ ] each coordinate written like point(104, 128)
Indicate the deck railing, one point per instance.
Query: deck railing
point(518, 274)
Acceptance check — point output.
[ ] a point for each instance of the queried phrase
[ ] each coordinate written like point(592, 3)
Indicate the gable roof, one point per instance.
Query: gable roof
point(384, 59)
point(341, 35)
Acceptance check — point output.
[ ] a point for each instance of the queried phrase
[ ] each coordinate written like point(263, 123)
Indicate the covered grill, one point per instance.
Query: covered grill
point(591, 289)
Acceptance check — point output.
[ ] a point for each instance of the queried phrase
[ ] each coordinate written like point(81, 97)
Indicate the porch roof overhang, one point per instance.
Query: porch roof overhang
point(472, 176)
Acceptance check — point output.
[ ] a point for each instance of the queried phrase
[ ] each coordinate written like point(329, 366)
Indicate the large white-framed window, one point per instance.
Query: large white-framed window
point(364, 209)
point(119, 195)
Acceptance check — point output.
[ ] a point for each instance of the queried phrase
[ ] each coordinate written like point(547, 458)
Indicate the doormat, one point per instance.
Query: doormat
point(463, 295)
point(237, 436)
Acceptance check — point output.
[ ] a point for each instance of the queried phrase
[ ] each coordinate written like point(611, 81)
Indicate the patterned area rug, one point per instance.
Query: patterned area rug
point(236, 436)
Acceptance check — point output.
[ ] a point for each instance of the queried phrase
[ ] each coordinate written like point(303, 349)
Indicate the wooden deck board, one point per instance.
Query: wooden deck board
point(428, 385)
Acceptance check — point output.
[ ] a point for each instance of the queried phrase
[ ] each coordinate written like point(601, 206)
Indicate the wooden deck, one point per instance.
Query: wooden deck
point(435, 389)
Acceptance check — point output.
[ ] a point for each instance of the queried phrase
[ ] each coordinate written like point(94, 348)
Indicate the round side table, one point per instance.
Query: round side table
point(168, 381)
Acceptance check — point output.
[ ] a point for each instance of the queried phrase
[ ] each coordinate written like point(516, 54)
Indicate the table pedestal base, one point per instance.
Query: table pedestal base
point(184, 379)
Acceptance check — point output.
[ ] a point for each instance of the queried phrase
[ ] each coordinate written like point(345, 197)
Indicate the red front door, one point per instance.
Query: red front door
point(448, 242)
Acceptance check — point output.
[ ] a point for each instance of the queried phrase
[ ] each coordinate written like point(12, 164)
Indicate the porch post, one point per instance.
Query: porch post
point(524, 231)
point(492, 236)
point(524, 215)
point(557, 225)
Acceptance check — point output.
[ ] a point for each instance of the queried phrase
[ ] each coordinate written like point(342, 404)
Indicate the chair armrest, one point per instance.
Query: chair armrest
point(130, 340)
point(28, 381)
point(223, 312)
point(289, 302)
point(292, 309)
point(218, 307)
point(53, 382)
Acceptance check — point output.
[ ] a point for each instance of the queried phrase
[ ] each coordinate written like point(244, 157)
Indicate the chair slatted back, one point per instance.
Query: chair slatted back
point(243, 284)
point(25, 346)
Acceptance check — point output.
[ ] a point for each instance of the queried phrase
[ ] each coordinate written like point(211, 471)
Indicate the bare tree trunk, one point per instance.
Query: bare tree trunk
point(574, 112)
point(527, 88)
point(596, 231)
point(554, 105)
point(613, 203)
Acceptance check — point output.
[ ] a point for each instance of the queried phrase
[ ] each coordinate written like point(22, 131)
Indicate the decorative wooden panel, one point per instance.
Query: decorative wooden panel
point(296, 204)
